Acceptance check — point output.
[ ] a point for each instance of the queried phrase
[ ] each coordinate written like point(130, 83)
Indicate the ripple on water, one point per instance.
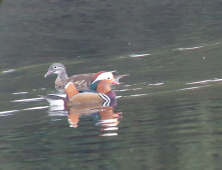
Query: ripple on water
point(29, 100)
point(7, 113)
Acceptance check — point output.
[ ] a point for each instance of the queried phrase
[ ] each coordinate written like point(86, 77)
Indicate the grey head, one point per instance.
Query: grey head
point(57, 68)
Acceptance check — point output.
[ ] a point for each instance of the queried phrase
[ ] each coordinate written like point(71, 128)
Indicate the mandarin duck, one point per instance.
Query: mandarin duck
point(81, 81)
point(100, 92)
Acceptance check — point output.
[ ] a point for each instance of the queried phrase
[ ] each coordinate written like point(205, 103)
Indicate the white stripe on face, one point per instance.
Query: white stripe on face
point(104, 76)
point(59, 70)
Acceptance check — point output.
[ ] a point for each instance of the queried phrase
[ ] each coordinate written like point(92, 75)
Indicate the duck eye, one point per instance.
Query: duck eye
point(108, 78)
point(54, 67)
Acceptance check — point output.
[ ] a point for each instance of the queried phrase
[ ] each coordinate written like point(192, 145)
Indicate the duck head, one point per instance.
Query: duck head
point(56, 68)
point(101, 82)
point(103, 75)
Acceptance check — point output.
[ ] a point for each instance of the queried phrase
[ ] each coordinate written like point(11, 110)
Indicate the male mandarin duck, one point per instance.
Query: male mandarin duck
point(100, 91)
point(100, 86)
point(81, 81)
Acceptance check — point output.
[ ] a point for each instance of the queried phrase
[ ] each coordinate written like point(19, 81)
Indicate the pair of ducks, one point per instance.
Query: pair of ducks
point(97, 83)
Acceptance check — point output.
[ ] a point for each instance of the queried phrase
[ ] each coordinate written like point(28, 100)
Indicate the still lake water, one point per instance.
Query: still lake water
point(167, 115)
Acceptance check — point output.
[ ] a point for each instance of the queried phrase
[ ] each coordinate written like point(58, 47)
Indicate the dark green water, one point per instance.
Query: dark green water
point(170, 103)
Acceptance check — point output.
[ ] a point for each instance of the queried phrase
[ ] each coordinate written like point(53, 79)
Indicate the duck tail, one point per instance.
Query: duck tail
point(56, 102)
point(71, 90)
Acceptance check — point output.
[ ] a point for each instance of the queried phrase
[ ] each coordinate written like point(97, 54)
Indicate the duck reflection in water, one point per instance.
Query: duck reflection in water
point(103, 116)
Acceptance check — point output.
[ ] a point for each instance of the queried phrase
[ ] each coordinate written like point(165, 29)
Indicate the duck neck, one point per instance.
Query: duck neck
point(62, 76)
point(103, 87)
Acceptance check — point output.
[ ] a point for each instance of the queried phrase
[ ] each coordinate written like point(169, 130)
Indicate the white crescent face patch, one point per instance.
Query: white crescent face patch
point(57, 70)
point(104, 76)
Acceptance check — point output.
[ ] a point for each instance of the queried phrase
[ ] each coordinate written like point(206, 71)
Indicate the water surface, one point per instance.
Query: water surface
point(167, 115)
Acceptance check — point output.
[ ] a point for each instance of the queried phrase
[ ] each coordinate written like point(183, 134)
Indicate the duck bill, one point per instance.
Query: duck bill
point(116, 82)
point(48, 73)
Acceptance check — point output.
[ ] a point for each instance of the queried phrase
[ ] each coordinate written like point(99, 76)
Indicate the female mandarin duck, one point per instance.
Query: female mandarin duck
point(81, 81)
point(100, 91)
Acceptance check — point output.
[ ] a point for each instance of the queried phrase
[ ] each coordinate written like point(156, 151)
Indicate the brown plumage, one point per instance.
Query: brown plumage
point(81, 81)
point(71, 90)
point(103, 87)
point(78, 98)
point(101, 84)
